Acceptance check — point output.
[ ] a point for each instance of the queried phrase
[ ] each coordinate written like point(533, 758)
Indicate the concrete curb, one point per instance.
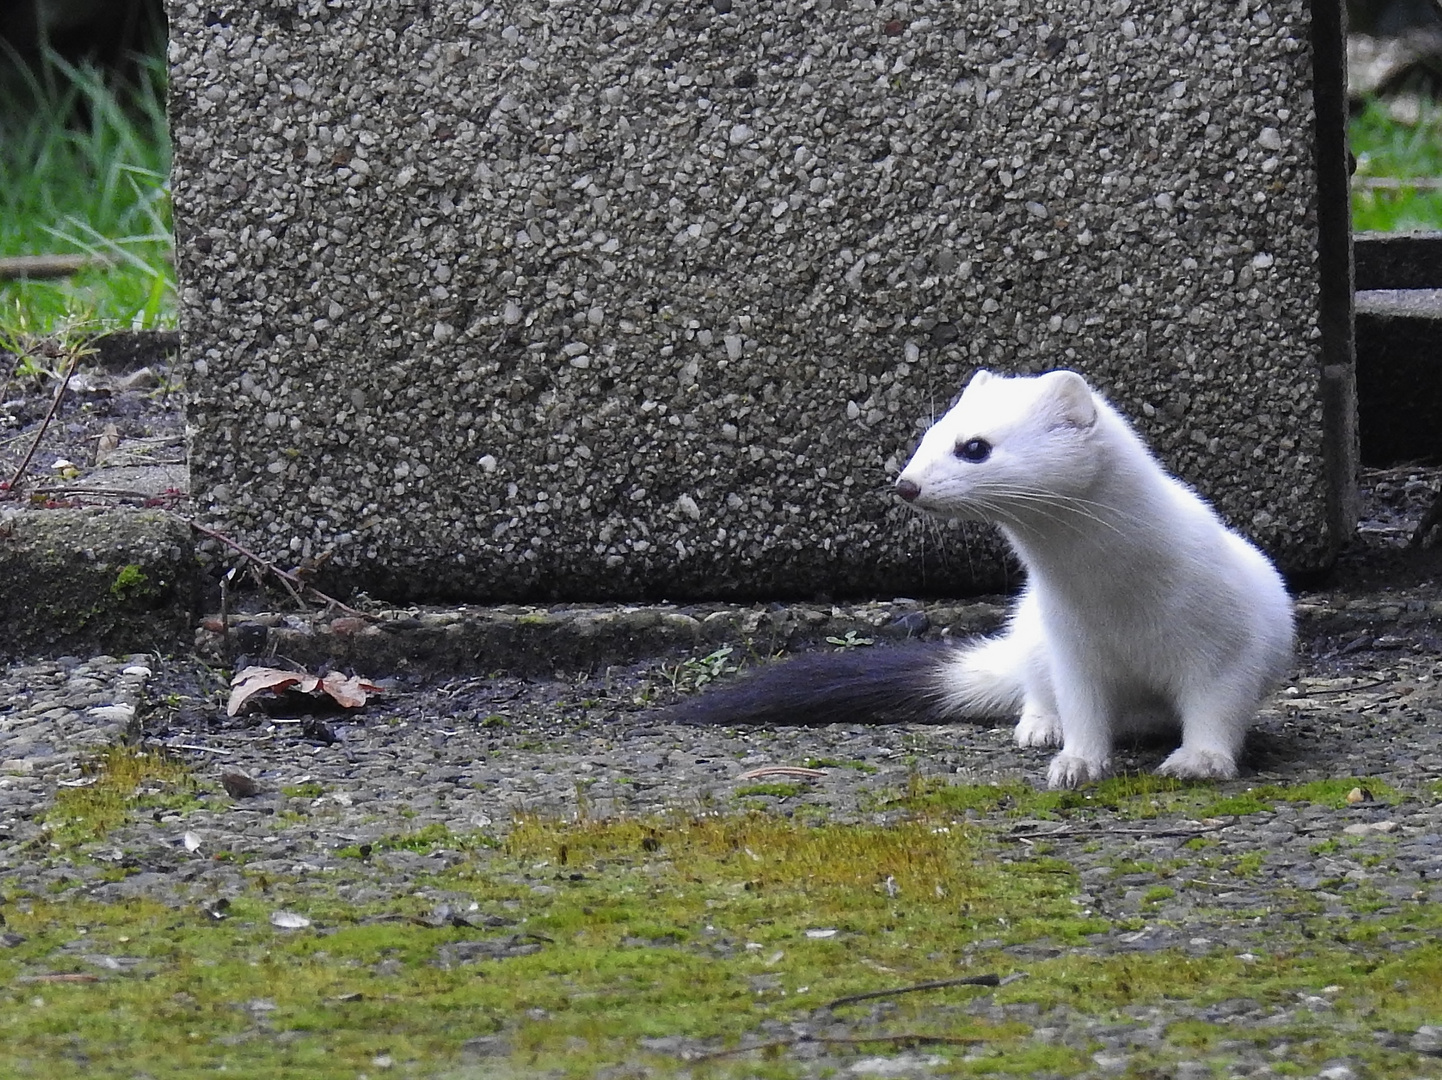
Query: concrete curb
point(84, 581)
point(543, 641)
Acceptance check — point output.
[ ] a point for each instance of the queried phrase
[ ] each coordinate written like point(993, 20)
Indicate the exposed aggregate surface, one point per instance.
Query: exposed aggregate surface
point(547, 301)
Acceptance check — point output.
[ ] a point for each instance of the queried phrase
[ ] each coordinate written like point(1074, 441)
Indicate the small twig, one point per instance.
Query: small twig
point(843, 1040)
point(53, 266)
point(1398, 183)
point(293, 583)
point(198, 749)
point(934, 984)
point(1199, 883)
point(75, 354)
point(294, 595)
point(1342, 689)
point(795, 771)
point(108, 493)
point(1196, 830)
point(59, 977)
point(225, 580)
point(48, 266)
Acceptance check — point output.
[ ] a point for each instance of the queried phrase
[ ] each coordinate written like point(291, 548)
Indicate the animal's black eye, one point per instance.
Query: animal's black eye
point(973, 450)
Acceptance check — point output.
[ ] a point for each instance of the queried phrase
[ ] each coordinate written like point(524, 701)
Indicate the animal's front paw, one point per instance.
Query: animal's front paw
point(1192, 764)
point(1036, 728)
point(1069, 771)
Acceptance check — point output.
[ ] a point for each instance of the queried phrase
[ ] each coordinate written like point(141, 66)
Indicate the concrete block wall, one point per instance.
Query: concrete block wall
point(647, 300)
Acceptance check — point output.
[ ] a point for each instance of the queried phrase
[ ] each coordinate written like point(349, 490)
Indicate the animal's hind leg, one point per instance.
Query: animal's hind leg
point(1214, 724)
point(1040, 723)
point(1038, 727)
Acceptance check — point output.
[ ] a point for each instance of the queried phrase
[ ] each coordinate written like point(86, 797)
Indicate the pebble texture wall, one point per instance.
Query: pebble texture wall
point(652, 299)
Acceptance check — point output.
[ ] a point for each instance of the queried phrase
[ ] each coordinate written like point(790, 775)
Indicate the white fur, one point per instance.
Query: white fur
point(1141, 608)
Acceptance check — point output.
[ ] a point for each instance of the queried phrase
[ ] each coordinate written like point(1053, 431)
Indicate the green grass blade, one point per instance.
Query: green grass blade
point(84, 168)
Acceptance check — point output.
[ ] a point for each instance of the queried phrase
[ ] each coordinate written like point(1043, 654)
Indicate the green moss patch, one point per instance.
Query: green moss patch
point(118, 784)
point(130, 581)
point(668, 944)
point(1133, 797)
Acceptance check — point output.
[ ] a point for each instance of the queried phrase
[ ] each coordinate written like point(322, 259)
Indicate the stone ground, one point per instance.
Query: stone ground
point(471, 751)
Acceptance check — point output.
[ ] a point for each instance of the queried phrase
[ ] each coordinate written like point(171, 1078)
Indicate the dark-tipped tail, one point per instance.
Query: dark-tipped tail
point(854, 686)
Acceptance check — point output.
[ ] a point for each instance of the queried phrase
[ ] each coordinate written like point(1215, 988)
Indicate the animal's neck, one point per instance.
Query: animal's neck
point(1069, 551)
point(1116, 528)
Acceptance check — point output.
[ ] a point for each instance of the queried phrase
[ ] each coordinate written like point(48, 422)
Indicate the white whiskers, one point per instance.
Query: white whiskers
point(1019, 508)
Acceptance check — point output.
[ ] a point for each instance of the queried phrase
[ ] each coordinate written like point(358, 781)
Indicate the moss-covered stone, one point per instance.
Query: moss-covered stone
point(94, 580)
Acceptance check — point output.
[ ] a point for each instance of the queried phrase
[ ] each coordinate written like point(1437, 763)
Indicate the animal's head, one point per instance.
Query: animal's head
point(1009, 449)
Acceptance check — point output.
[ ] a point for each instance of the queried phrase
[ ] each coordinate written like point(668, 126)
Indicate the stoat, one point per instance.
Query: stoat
point(1141, 609)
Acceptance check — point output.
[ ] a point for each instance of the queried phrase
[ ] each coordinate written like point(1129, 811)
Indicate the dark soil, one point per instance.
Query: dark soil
point(99, 437)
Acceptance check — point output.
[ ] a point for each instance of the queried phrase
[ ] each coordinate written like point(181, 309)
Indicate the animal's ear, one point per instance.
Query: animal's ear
point(980, 379)
point(1072, 398)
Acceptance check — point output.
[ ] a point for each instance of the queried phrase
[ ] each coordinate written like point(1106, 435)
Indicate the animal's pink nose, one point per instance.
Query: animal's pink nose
point(908, 489)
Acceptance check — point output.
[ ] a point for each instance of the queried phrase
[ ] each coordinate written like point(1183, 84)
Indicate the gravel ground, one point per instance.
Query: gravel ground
point(472, 751)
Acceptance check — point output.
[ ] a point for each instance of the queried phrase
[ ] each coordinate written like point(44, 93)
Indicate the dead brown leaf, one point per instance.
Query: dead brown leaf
point(107, 444)
point(349, 691)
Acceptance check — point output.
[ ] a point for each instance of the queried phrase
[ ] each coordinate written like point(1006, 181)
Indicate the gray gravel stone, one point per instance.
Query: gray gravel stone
point(1428, 1040)
point(473, 752)
point(52, 713)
